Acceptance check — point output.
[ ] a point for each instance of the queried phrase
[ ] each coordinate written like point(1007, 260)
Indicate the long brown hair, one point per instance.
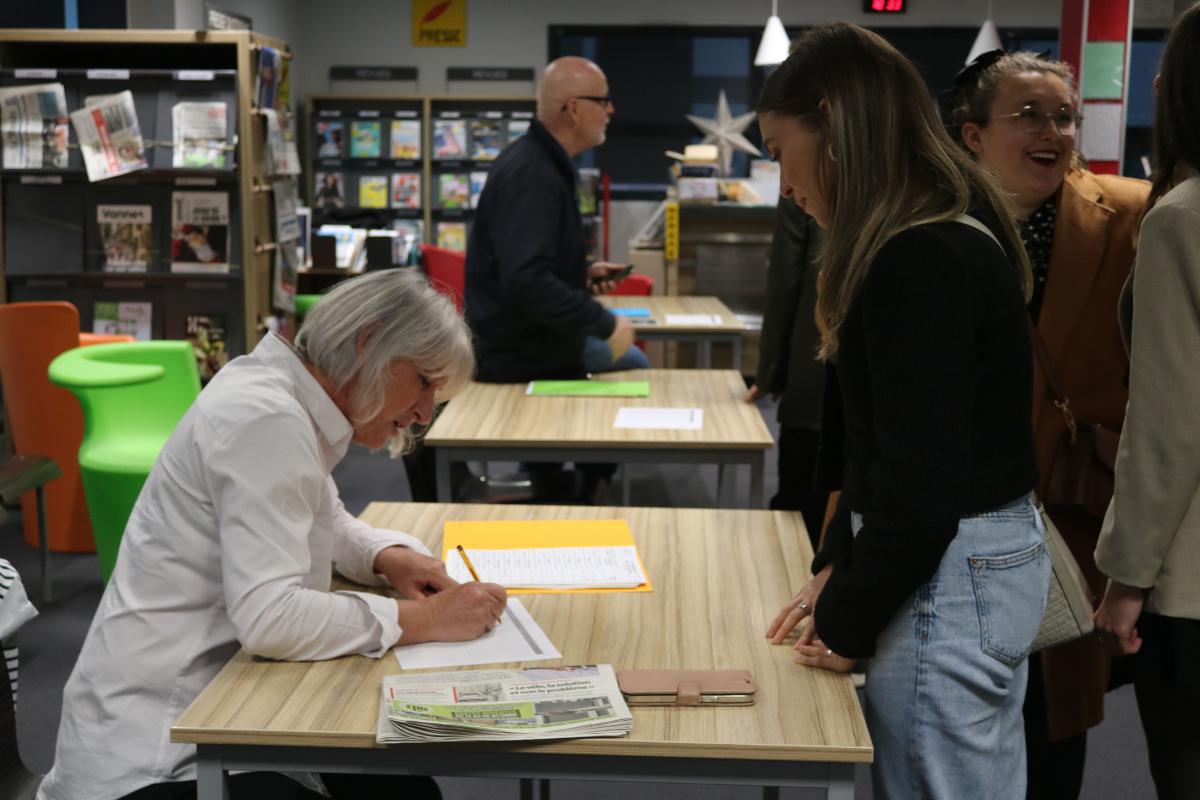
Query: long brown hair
point(1177, 112)
point(893, 163)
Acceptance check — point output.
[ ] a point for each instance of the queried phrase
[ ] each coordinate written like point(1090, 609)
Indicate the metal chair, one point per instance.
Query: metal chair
point(20, 474)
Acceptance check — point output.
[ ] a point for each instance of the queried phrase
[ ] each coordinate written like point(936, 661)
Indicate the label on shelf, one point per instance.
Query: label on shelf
point(329, 112)
point(195, 180)
point(195, 75)
point(493, 115)
point(41, 179)
point(368, 113)
point(449, 114)
point(108, 74)
point(407, 114)
point(522, 115)
point(38, 74)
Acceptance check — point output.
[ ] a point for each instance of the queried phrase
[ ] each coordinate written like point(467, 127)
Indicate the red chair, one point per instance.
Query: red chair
point(447, 271)
point(635, 286)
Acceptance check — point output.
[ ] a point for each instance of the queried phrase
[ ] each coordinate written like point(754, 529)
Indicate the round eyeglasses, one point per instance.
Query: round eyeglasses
point(1030, 120)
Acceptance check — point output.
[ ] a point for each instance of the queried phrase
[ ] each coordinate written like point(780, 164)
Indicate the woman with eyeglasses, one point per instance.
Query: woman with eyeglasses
point(934, 565)
point(1017, 113)
point(1150, 545)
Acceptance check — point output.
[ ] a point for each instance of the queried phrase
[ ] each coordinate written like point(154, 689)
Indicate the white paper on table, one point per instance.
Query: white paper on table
point(517, 638)
point(1100, 134)
point(677, 419)
point(552, 567)
point(694, 319)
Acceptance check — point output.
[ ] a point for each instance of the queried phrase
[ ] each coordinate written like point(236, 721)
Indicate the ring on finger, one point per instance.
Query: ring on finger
point(828, 653)
point(803, 606)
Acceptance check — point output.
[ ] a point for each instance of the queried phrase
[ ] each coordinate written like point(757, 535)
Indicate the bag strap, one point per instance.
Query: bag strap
point(1061, 401)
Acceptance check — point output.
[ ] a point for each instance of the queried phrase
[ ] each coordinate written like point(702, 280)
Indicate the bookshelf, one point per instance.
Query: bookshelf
point(51, 245)
point(459, 137)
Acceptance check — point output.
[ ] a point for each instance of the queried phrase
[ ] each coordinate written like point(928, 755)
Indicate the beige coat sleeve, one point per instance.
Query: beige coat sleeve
point(1158, 463)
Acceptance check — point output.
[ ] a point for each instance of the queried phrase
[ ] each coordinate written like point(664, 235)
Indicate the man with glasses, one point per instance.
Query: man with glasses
point(528, 284)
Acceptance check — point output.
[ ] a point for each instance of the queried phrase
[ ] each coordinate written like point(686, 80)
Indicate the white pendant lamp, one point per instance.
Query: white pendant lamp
point(987, 39)
point(773, 48)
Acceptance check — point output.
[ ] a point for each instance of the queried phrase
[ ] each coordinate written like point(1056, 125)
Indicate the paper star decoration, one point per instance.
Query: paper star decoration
point(726, 132)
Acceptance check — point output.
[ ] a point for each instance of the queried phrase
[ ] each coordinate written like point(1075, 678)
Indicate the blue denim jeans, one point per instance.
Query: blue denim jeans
point(597, 357)
point(945, 687)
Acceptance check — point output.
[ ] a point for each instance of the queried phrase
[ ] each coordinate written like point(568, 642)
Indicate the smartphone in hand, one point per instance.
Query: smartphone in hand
point(620, 275)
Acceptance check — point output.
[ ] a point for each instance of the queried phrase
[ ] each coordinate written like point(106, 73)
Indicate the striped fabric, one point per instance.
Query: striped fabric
point(15, 610)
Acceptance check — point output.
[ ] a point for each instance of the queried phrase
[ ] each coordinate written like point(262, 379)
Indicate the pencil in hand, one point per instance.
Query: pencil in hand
point(470, 567)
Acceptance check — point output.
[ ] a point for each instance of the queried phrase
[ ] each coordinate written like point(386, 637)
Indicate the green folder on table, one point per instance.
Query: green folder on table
point(589, 388)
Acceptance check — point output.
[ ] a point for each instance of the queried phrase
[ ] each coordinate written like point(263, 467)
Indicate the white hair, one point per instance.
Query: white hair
point(364, 325)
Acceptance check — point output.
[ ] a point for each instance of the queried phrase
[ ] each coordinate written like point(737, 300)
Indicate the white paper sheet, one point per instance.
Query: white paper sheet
point(693, 319)
point(1100, 134)
point(517, 638)
point(677, 419)
point(552, 567)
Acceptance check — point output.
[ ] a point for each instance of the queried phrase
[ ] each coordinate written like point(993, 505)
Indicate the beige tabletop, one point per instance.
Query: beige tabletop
point(718, 575)
point(503, 415)
point(660, 306)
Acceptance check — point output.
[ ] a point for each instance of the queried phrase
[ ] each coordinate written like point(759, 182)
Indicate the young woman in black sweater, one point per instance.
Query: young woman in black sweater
point(934, 567)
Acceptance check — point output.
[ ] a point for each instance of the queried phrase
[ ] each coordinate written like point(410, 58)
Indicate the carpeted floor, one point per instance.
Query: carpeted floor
point(49, 644)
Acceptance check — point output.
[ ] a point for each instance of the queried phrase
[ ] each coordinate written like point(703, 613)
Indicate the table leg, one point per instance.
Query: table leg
point(526, 785)
point(705, 348)
point(770, 793)
point(210, 777)
point(625, 483)
point(737, 353)
point(757, 467)
point(43, 543)
point(543, 789)
point(442, 476)
point(722, 477)
point(841, 782)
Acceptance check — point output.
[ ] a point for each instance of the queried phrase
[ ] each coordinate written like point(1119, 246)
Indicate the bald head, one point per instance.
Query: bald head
point(573, 103)
point(567, 77)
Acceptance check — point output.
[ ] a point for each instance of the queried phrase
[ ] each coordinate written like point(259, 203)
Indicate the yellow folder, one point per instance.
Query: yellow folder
point(512, 534)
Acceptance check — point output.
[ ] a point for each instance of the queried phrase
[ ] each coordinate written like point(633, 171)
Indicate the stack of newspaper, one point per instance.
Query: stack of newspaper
point(503, 705)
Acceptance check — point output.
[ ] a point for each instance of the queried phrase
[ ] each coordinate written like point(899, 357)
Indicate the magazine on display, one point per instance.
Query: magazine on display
point(331, 139)
point(454, 190)
point(487, 139)
point(349, 243)
point(406, 190)
point(125, 236)
point(407, 246)
point(33, 123)
point(452, 236)
point(206, 332)
point(517, 128)
point(287, 222)
point(365, 139)
point(406, 139)
point(132, 319)
point(503, 705)
point(109, 136)
point(268, 76)
point(287, 266)
point(478, 179)
point(199, 232)
point(329, 192)
point(199, 135)
point(373, 191)
point(280, 156)
point(304, 218)
point(449, 138)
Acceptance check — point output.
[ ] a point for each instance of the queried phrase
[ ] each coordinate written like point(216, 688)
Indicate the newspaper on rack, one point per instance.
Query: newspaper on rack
point(109, 136)
point(199, 135)
point(33, 122)
point(280, 156)
point(503, 705)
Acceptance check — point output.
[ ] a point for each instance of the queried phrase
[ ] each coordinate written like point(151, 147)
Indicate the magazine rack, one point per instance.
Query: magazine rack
point(350, 147)
point(51, 222)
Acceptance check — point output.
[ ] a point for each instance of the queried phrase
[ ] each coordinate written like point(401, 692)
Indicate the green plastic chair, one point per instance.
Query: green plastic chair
point(132, 395)
point(304, 302)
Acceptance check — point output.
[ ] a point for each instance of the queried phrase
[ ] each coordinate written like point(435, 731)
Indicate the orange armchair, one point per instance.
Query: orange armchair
point(447, 271)
point(45, 419)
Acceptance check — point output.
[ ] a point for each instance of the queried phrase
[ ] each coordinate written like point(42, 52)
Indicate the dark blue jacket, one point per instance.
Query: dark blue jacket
point(527, 300)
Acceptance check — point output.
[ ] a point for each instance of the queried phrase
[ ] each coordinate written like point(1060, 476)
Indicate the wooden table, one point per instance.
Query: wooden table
point(500, 422)
point(718, 577)
point(729, 330)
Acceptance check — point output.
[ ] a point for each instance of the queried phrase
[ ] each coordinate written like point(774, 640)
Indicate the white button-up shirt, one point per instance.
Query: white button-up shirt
point(231, 544)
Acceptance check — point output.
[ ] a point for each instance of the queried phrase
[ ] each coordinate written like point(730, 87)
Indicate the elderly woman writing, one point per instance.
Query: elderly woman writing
point(235, 535)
